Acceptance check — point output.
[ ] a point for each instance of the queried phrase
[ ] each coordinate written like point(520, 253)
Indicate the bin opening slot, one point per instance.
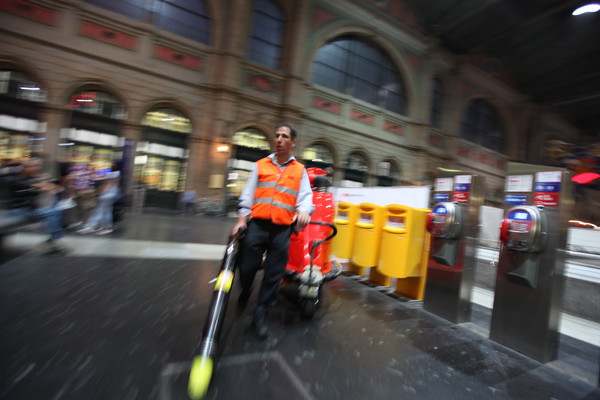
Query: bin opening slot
point(396, 222)
point(366, 218)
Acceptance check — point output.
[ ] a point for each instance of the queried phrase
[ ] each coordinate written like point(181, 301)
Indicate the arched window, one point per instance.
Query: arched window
point(355, 174)
point(482, 126)
point(352, 65)
point(187, 18)
point(387, 173)
point(266, 38)
point(98, 102)
point(18, 85)
point(93, 134)
point(317, 155)
point(437, 102)
point(251, 138)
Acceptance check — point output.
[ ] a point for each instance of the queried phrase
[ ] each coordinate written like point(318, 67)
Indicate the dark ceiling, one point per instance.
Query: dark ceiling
point(548, 54)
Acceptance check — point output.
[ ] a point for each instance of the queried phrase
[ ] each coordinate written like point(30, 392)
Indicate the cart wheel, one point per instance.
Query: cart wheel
point(308, 307)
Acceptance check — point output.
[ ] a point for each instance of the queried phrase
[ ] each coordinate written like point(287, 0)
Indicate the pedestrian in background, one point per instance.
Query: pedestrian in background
point(188, 202)
point(100, 221)
point(34, 194)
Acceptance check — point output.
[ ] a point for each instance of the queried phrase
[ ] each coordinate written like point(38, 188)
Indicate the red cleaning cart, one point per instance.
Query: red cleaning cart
point(309, 264)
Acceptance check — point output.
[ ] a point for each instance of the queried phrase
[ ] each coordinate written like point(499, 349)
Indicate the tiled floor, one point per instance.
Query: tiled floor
point(119, 318)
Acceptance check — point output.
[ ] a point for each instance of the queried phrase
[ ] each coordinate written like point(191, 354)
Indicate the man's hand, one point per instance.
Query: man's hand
point(302, 219)
point(240, 227)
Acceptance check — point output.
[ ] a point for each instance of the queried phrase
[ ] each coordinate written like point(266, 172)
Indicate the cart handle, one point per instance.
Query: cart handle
point(317, 243)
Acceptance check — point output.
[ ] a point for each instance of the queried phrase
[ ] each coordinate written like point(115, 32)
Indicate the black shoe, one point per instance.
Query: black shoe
point(51, 247)
point(260, 328)
point(243, 299)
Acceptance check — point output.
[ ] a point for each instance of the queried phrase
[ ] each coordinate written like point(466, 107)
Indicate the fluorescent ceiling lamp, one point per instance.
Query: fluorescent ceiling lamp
point(588, 8)
point(29, 88)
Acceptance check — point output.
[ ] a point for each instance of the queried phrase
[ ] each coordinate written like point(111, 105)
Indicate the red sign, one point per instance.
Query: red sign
point(548, 199)
point(460, 197)
point(83, 99)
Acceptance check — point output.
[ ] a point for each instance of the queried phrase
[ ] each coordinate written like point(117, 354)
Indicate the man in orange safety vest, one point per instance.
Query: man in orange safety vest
point(277, 194)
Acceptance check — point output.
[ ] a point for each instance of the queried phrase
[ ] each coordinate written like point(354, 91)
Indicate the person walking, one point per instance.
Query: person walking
point(100, 221)
point(188, 202)
point(33, 193)
point(277, 194)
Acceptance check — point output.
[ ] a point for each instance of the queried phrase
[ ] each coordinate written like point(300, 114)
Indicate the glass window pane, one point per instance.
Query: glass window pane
point(251, 137)
point(482, 126)
point(19, 85)
point(437, 99)
point(266, 38)
point(365, 69)
point(187, 18)
point(97, 102)
point(319, 153)
point(135, 9)
point(167, 119)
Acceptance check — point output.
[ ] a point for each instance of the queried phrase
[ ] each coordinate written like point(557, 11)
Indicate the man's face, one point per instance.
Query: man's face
point(283, 141)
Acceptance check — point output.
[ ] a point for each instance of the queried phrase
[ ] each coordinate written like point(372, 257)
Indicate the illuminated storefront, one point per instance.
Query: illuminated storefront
point(249, 145)
point(21, 132)
point(161, 160)
point(318, 156)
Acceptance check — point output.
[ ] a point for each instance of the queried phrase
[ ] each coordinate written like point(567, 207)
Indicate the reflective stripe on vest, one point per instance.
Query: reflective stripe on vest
point(277, 191)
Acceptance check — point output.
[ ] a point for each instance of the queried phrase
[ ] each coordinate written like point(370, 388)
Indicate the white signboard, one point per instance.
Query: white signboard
point(462, 179)
point(444, 184)
point(518, 183)
point(412, 196)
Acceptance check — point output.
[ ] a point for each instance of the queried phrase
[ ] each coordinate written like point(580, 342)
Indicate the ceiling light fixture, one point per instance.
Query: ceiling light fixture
point(588, 8)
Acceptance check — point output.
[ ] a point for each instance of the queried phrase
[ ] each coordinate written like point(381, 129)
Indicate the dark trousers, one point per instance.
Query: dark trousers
point(261, 236)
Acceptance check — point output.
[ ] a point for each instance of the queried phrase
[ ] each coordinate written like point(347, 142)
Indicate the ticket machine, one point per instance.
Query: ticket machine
point(529, 279)
point(454, 227)
point(446, 221)
point(523, 232)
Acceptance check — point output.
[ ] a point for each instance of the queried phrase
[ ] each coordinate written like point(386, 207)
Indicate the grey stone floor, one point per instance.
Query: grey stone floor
point(112, 326)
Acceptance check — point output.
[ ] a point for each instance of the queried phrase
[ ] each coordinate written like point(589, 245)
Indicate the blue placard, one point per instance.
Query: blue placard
point(462, 187)
point(515, 199)
point(519, 215)
point(441, 209)
point(547, 187)
point(438, 197)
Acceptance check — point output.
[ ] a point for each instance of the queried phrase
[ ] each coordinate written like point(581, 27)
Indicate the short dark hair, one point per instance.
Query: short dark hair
point(291, 128)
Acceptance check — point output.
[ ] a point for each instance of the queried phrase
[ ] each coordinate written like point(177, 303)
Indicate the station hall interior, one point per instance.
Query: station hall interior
point(388, 96)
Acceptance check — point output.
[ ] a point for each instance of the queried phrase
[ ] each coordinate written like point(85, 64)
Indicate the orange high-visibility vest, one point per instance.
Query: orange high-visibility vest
point(277, 191)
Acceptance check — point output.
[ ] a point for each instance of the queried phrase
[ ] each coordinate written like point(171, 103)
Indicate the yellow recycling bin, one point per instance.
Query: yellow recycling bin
point(345, 220)
point(404, 240)
point(367, 236)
